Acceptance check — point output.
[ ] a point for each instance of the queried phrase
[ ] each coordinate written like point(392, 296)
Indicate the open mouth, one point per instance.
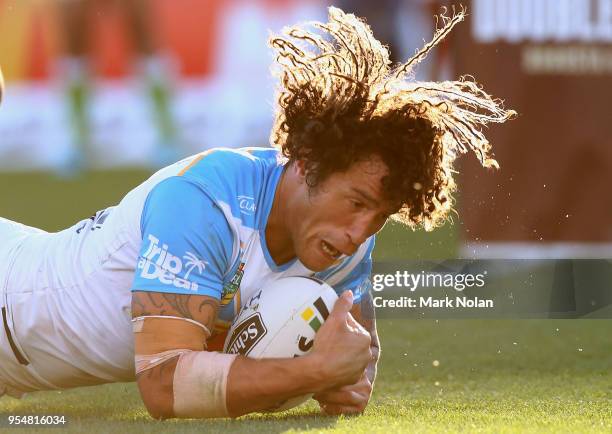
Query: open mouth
point(330, 250)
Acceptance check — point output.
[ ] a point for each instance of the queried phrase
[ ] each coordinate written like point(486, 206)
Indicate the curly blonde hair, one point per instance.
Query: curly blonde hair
point(340, 101)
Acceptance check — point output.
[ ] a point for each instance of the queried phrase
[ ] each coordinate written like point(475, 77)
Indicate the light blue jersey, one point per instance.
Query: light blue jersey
point(203, 232)
point(194, 227)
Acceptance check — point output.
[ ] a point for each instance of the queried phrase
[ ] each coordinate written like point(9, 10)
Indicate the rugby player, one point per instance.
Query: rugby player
point(147, 289)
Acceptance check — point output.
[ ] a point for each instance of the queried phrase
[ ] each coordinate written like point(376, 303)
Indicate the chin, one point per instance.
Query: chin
point(314, 263)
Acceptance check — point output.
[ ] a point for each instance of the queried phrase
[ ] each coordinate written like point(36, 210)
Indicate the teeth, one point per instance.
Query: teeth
point(330, 250)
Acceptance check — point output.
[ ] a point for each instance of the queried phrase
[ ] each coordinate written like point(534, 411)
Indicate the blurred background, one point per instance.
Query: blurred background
point(100, 93)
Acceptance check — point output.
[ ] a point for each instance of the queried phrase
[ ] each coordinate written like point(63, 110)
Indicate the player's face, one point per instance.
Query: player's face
point(340, 214)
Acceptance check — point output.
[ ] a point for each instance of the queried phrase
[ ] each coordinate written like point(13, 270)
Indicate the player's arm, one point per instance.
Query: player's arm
point(166, 326)
point(338, 357)
point(363, 310)
point(187, 251)
point(177, 377)
point(364, 314)
point(354, 398)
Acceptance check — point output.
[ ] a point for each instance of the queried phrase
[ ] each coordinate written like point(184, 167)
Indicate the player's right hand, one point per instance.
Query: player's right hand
point(342, 345)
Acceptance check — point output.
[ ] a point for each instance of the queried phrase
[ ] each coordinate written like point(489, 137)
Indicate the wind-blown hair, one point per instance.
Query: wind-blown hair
point(340, 101)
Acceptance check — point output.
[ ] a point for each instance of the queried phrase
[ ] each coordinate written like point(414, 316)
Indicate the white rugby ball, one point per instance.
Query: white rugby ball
point(281, 320)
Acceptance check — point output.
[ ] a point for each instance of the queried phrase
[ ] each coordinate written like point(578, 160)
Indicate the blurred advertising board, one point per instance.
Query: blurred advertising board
point(551, 61)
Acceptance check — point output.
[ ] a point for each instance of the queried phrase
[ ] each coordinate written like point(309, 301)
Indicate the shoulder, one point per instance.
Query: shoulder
point(240, 181)
point(228, 164)
point(187, 244)
point(177, 205)
point(176, 193)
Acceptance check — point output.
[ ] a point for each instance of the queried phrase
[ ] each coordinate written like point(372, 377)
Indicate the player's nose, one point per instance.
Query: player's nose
point(357, 233)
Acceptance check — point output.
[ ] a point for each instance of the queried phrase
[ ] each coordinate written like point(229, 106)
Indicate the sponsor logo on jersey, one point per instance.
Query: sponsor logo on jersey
point(230, 289)
point(246, 204)
point(253, 302)
point(158, 263)
point(96, 221)
point(246, 335)
point(315, 321)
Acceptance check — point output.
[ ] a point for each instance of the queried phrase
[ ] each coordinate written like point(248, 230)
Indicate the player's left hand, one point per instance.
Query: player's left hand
point(351, 399)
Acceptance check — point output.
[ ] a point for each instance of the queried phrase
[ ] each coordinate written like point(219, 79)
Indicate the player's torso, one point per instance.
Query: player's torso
point(243, 188)
point(68, 293)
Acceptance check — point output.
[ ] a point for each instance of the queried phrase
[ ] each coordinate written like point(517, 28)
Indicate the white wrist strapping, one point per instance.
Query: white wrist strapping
point(200, 384)
point(200, 377)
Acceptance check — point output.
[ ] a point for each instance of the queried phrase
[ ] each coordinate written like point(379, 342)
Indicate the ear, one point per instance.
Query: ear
point(300, 170)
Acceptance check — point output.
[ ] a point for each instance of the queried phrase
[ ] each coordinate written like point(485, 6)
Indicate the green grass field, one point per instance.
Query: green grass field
point(492, 376)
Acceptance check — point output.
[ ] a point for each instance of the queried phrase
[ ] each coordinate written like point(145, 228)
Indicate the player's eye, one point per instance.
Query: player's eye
point(356, 204)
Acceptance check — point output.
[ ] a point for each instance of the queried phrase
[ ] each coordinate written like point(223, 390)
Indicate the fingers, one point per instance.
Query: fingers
point(353, 323)
point(336, 410)
point(344, 304)
point(351, 395)
point(341, 398)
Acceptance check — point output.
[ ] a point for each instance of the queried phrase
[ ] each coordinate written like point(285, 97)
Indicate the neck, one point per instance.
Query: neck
point(278, 237)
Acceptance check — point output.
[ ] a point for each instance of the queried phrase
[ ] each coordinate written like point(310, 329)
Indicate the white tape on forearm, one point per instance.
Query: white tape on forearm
point(138, 322)
point(200, 383)
point(144, 362)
